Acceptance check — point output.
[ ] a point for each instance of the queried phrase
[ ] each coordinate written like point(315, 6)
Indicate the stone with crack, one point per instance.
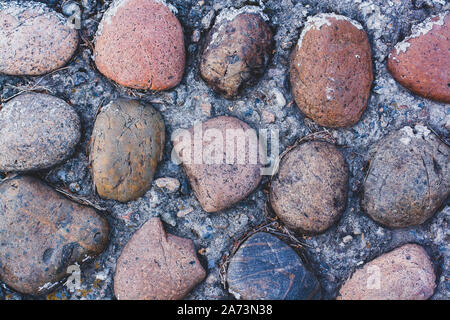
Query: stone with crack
point(421, 62)
point(309, 193)
point(37, 131)
point(265, 268)
point(157, 266)
point(408, 178)
point(331, 70)
point(237, 50)
point(34, 39)
point(140, 44)
point(405, 273)
point(221, 160)
point(42, 233)
point(126, 145)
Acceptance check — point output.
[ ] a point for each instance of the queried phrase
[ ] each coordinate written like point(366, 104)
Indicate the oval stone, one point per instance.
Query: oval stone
point(126, 145)
point(331, 70)
point(408, 178)
point(157, 266)
point(265, 268)
point(421, 62)
point(405, 273)
point(309, 193)
point(42, 233)
point(221, 160)
point(37, 131)
point(237, 50)
point(34, 39)
point(140, 44)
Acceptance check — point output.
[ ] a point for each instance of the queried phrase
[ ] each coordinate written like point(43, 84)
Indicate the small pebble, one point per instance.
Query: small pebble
point(170, 184)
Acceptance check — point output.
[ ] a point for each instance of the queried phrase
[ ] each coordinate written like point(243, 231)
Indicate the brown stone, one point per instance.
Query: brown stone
point(34, 39)
point(140, 44)
point(309, 193)
point(236, 51)
point(408, 178)
point(421, 63)
point(157, 266)
point(405, 273)
point(331, 70)
point(42, 233)
point(37, 131)
point(220, 178)
point(126, 145)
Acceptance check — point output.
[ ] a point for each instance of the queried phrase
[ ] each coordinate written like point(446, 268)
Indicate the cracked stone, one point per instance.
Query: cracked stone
point(408, 178)
point(126, 145)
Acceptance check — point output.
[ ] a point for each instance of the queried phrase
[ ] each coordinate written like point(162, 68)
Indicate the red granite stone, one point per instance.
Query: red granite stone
point(140, 44)
point(421, 63)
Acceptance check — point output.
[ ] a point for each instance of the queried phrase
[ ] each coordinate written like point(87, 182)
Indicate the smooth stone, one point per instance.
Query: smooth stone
point(34, 39)
point(157, 266)
point(140, 44)
point(309, 193)
point(331, 70)
point(408, 178)
point(265, 268)
point(421, 62)
point(42, 233)
point(37, 131)
point(237, 50)
point(219, 182)
point(405, 273)
point(126, 145)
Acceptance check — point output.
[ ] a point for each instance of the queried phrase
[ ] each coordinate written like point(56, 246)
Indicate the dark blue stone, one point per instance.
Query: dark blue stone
point(265, 268)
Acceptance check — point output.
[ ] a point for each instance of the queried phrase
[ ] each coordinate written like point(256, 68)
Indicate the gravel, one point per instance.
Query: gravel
point(334, 255)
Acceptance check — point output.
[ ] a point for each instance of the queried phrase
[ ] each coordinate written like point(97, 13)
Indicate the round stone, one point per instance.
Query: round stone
point(265, 268)
point(34, 39)
point(421, 62)
point(140, 44)
point(37, 131)
point(408, 178)
point(237, 50)
point(157, 266)
point(221, 160)
point(405, 273)
point(42, 233)
point(126, 145)
point(331, 70)
point(309, 193)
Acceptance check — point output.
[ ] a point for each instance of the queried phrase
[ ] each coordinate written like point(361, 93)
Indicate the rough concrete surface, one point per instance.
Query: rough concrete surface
point(330, 257)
